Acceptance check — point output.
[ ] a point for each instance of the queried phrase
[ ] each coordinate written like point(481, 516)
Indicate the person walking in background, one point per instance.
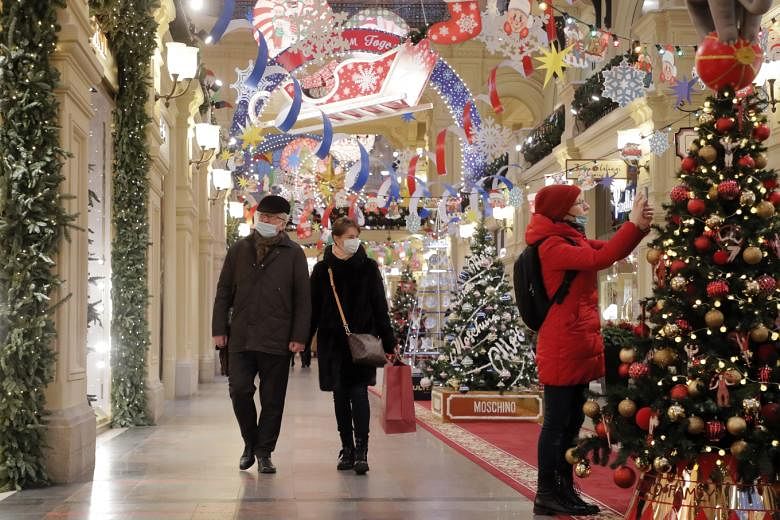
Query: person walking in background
point(570, 349)
point(361, 291)
point(265, 283)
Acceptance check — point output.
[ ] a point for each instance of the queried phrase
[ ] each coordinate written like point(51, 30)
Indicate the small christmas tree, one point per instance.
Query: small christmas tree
point(402, 304)
point(702, 383)
point(486, 347)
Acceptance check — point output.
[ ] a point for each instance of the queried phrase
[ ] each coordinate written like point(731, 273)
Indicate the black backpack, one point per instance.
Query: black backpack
point(530, 294)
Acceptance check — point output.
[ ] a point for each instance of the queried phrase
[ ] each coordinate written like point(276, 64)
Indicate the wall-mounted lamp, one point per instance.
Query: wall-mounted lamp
point(207, 137)
point(182, 64)
point(768, 74)
point(236, 209)
point(222, 180)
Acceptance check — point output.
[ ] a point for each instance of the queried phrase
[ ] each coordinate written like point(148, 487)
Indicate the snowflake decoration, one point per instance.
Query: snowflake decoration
point(659, 142)
point(467, 24)
point(623, 84)
point(408, 117)
point(493, 140)
point(413, 222)
point(366, 79)
point(516, 197)
point(321, 34)
point(269, 80)
point(511, 46)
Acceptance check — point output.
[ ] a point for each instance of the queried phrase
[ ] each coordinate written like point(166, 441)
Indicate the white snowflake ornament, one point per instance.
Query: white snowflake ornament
point(413, 222)
point(493, 140)
point(467, 362)
point(659, 142)
point(467, 24)
point(366, 79)
point(623, 83)
point(321, 36)
point(516, 197)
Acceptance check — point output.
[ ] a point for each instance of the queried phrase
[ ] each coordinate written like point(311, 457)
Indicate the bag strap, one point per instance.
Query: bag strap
point(338, 302)
point(568, 277)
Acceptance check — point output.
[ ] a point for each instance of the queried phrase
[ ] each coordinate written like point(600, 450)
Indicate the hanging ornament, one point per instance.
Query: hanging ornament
point(752, 255)
point(688, 165)
point(623, 370)
point(702, 244)
point(464, 24)
point(664, 357)
point(582, 469)
point(714, 319)
point(720, 257)
point(679, 392)
point(572, 457)
point(654, 255)
point(747, 161)
point(695, 425)
point(717, 288)
point(591, 409)
point(623, 83)
point(679, 283)
point(553, 63)
point(765, 209)
point(771, 414)
point(739, 448)
point(638, 370)
point(662, 465)
point(627, 355)
point(761, 132)
point(767, 284)
point(696, 207)
point(715, 430)
point(714, 221)
point(751, 405)
point(774, 198)
point(627, 408)
point(659, 142)
point(761, 161)
point(721, 65)
point(708, 153)
point(677, 266)
point(729, 189)
point(679, 194)
point(670, 330)
point(675, 413)
point(724, 124)
point(624, 477)
point(736, 426)
point(747, 198)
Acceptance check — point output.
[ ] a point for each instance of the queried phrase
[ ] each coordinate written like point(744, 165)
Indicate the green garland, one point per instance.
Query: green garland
point(130, 29)
point(32, 222)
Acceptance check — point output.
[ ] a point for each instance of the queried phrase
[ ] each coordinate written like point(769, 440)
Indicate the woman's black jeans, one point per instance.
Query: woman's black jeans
point(563, 418)
point(352, 413)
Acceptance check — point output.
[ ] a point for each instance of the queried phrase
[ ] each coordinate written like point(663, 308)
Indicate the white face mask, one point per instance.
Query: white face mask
point(266, 230)
point(351, 245)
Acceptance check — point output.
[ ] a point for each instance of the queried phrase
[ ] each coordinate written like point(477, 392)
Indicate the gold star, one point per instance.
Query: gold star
point(552, 62)
point(252, 136)
point(225, 155)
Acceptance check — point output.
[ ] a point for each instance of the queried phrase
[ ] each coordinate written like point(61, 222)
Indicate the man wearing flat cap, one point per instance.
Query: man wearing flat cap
point(261, 315)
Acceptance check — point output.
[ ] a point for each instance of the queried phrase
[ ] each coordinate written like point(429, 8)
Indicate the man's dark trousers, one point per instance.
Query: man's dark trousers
point(274, 370)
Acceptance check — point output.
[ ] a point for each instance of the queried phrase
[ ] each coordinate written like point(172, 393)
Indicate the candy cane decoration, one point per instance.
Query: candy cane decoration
point(495, 100)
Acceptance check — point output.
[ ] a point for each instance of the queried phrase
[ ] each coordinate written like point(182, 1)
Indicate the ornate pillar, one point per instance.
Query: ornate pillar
point(207, 282)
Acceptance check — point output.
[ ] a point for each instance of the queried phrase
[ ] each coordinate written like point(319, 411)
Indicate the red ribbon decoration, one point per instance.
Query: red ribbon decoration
point(324, 224)
point(410, 182)
point(352, 203)
point(552, 33)
point(467, 122)
point(303, 230)
point(495, 100)
point(441, 164)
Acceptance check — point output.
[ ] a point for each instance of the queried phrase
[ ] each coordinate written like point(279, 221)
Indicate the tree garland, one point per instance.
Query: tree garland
point(32, 222)
point(130, 29)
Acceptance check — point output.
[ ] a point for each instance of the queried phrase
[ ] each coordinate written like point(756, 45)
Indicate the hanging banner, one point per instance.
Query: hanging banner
point(577, 169)
point(360, 40)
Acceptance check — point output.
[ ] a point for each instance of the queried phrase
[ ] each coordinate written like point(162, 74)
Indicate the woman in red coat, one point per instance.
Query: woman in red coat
point(570, 350)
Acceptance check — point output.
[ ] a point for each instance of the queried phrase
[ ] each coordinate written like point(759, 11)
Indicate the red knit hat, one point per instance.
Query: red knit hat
point(554, 201)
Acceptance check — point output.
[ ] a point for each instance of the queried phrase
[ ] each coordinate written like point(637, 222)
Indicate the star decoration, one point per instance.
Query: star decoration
point(225, 155)
point(552, 62)
point(294, 161)
point(683, 89)
point(408, 117)
point(252, 136)
point(606, 181)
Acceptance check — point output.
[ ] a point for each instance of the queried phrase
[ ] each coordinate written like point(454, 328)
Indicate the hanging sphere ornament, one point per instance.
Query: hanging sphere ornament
point(627, 355)
point(767, 284)
point(627, 408)
point(759, 334)
point(747, 198)
point(642, 418)
point(572, 456)
point(752, 287)
point(603, 431)
point(720, 65)
point(662, 465)
point(746, 161)
point(642, 464)
point(702, 244)
point(677, 266)
point(641, 330)
point(679, 194)
point(771, 414)
point(664, 357)
point(717, 288)
point(714, 319)
point(774, 198)
point(751, 405)
point(695, 425)
point(764, 374)
point(706, 118)
point(638, 370)
point(767, 353)
point(715, 430)
point(724, 124)
point(654, 255)
point(761, 132)
point(624, 477)
point(712, 193)
point(708, 154)
point(696, 207)
point(591, 408)
point(765, 209)
point(736, 426)
point(688, 165)
point(694, 387)
point(679, 392)
point(679, 283)
point(732, 376)
point(623, 370)
point(671, 330)
point(728, 190)
point(721, 257)
point(752, 255)
point(675, 413)
point(738, 448)
point(714, 221)
point(761, 161)
point(582, 469)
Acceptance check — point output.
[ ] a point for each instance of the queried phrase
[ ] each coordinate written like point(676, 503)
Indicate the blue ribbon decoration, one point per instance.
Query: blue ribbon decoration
point(260, 64)
point(323, 149)
point(294, 110)
point(222, 22)
point(362, 176)
point(502, 179)
point(395, 189)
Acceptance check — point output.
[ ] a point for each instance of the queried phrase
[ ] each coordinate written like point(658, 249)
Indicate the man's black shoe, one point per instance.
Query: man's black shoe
point(247, 458)
point(265, 465)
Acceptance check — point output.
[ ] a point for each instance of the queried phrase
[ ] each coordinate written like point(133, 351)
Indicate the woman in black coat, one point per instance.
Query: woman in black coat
point(362, 294)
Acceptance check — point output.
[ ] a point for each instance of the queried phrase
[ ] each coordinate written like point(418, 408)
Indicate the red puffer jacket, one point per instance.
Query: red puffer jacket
point(570, 350)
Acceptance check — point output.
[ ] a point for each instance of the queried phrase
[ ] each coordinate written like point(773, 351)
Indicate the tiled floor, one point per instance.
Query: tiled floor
point(187, 468)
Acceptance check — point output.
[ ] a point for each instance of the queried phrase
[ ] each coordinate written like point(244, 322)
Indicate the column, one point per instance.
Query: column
point(207, 282)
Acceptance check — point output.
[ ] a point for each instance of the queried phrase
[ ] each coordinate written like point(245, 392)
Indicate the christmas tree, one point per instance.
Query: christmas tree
point(701, 388)
point(402, 304)
point(485, 345)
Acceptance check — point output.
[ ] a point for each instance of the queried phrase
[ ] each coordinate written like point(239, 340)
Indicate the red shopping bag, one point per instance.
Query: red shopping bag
point(398, 399)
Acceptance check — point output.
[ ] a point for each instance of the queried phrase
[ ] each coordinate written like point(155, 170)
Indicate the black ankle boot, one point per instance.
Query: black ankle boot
point(346, 458)
point(361, 457)
point(549, 500)
point(247, 458)
point(570, 493)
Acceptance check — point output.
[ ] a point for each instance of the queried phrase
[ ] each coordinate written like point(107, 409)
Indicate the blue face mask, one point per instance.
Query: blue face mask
point(581, 220)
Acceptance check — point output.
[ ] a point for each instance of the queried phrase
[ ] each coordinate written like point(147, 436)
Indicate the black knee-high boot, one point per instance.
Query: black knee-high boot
point(361, 455)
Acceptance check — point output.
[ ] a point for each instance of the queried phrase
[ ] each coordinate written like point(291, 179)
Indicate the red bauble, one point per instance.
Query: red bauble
point(774, 198)
point(601, 430)
point(767, 353)
point(677, 266)
point(746, 161)
point(675, 219)
point(715, 430)
point(696, 207)
point(679, 392)
point(688, 164)
point(764, 374)
point(642, 330)
point(623, 369)
point(720, 257)
point(683, 325)
point(728, 190)
point(771, 414)
point(679, 194)
point(710, 233)
point(717, 288)
point(624, 477)
point(724, 124)
point(769, 184)
point(761, 132)
point(767, 284)
point(722, 65)
point(638, 370)
point(702, 244)
point(642, 417)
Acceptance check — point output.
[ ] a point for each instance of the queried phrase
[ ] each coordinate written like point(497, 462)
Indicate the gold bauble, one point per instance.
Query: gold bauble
point(627, 355)
point(751, 405)
point(739, 447)
point(736, 426)
point(759, 334)
point(675, 413)
point(747, 198)
point(693, 147)
point(761, 161)
point(713, 191)
point(679, 283)
point(582, 469)
point(732, 376)
point(765, 209)
point(695, 425)
point(654, 255)
point(714, 318)
point(671, 330)
point(642, 464)
point(662, 465)
point(664, 357)
point(708, 153)
point(752, 255)
point(591, 408)
point(660, 304)
point(694, 387)
point(752, 286)
point(627, 408)
point(714, 221)
point(706, 117)
point(572, 457)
